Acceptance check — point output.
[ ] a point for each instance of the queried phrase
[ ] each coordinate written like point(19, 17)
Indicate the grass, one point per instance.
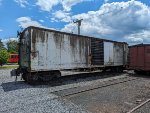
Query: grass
point(8, 66)
point(12, 64)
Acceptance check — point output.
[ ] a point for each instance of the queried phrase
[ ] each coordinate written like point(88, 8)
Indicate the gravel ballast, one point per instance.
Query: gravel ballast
point(19, 97)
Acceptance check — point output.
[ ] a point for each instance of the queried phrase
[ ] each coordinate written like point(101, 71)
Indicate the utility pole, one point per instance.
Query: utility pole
point(79, 24)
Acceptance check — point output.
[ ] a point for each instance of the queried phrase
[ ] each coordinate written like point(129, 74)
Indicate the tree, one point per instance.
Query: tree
point(1, 45)
point(3, 56)
point(12, 46)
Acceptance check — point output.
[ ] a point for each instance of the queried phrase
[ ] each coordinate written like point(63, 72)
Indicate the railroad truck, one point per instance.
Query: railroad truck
point(43, 53)
point(139, 58)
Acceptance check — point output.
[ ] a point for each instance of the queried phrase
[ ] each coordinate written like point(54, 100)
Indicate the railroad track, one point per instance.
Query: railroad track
point(78, 90)
point(139, 106)
point(74, 78)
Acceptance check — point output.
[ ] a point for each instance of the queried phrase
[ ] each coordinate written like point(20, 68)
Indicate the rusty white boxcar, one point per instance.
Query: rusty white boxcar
point(44, 52)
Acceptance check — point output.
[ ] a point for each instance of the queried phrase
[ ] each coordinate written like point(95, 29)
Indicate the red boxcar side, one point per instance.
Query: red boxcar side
point(139, 57)
point(13, 58)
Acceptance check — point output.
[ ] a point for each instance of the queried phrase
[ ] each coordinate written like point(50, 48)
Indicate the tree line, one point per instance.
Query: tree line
point(10, 48)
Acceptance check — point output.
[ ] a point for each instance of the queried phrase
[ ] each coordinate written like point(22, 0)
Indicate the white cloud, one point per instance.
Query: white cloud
point(47, 5)
point(22, 3)
point(67, 4)
point(41, 21)
point(27, 21)
point(54, 20)
point(7, 39)
point(62, 16)
point(124, 21)
point(139, 37)
point(1, 30)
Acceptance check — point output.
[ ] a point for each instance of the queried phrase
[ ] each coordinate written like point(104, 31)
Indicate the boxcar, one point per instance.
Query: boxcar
point(139, 58)
point(44, 52)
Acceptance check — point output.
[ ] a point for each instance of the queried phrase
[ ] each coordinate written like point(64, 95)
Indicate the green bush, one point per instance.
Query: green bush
point(3, 56)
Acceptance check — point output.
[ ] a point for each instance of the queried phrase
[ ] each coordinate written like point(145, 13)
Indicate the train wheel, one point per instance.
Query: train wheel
point(113, 69)
point(48, 76)
point(137, 72)
point(147, 73)
point(117, 69)
point(120, 69)
point(24, 77)
point(57, 74)
point(32, 78)
point(45, 78)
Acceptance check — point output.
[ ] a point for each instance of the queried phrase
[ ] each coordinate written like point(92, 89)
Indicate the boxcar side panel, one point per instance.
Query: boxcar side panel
point(147, 58)
point(118, 54)
point(139, 57)
point(125, 54)
point(56, 51)
point(133, 57)
point(108, 54)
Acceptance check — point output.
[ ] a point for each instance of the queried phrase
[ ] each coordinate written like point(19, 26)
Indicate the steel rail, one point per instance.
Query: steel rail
point(139, 106)
point(86, 89)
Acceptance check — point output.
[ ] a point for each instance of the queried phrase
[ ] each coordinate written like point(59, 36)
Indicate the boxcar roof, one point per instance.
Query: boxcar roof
point(51, 30)
point(139, 45)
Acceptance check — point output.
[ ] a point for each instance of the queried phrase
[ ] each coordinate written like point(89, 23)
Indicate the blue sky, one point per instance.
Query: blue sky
point(120, 20)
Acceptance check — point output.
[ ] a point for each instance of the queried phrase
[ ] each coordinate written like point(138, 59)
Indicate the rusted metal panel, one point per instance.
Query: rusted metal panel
point(97, 51)
point(24, 49)
point(147, 57)
point(55, 51)
point(139, 56)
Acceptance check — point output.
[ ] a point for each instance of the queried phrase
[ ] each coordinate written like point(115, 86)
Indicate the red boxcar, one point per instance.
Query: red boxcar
point(139, 57)
point(13, 58)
